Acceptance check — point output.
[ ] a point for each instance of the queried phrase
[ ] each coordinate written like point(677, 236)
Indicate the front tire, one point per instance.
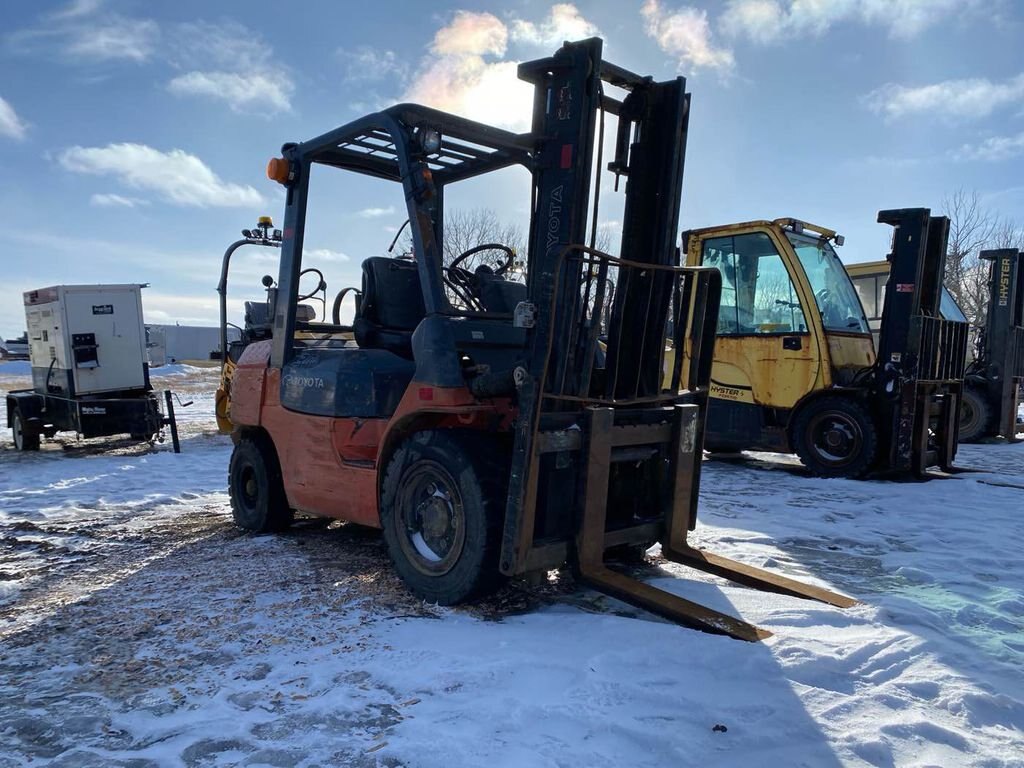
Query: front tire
point(25, 438)
point(835, 437)
point(975, 416)
point(442, 509)
point(258, 501)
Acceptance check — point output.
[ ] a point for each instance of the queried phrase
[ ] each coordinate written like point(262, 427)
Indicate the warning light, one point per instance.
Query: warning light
point(278, 170)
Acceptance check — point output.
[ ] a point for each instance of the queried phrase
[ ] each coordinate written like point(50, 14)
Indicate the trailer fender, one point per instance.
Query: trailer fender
point(29, 403)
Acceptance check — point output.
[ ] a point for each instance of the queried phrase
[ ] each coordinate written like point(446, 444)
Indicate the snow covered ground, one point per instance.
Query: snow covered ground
point(139, 628)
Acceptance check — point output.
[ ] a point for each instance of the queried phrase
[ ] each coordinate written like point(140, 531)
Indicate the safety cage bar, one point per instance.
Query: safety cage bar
point(943, 355)
point(610, 311)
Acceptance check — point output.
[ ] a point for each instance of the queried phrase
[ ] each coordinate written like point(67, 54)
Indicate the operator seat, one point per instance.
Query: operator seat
point(391, 306)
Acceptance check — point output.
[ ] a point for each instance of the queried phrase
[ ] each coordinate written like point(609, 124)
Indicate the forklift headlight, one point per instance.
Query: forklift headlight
point(430, 140)
point(246, 233)
point(277, 234)
point(840, 239)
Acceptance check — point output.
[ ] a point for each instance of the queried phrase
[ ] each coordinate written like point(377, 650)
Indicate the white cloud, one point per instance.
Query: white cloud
point(685, 34)
point(772, 21)
point(254, 92)
point(471, 34)
point(11, 125)
point(82, 33)
point(992, 149)
point(371, 64)
point(110, 200)
point(960, 99)
point(115, 37)
point(373, 213)
point(77, 8)
point(177, 176)
point(564, 22)
point(467, 72)
point(230, 63)
point(319, 255)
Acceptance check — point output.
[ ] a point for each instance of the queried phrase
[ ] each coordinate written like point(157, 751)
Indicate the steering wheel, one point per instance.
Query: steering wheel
point(465, 284)
point(320, 286)
point(501, 269)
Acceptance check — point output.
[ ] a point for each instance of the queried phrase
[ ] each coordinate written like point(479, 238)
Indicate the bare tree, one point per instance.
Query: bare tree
point(468, 228)
point(1007, 233)
point(971, 228)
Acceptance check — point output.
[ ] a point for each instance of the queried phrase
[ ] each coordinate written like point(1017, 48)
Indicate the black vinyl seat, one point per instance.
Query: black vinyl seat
point(391, 305)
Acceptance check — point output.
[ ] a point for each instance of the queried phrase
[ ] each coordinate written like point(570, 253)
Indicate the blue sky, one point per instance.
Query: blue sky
point(134, 135)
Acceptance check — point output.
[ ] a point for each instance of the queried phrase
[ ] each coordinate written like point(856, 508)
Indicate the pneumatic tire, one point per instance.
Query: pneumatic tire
point(442, 511)
point(25, 438)
point(835, 437)
point(258, 501)
point(975, 416)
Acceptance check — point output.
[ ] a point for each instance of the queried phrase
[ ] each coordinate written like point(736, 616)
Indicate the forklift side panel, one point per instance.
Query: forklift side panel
point(247, 384)
point(345, 383)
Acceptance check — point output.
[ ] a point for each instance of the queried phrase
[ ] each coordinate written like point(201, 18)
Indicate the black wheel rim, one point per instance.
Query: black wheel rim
point(248, 487)
point(430, 519)
point(835, 437)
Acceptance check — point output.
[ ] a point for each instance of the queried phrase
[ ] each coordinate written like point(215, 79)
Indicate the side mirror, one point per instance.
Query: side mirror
point(267, 281)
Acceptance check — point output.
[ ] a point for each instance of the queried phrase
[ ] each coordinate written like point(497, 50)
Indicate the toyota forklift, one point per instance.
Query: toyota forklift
point(795, 367)
point(476, 418)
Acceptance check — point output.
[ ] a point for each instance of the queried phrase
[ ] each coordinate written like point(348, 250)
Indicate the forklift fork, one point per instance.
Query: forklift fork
point(604, 437)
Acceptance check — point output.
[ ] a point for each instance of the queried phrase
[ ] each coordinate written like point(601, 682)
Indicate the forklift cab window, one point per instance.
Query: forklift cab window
point(867, 292)
point(948, 307)
point(834, 293)
point(758, 295)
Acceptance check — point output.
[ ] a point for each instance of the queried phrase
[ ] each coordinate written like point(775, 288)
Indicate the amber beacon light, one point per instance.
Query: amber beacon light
point(277, 170)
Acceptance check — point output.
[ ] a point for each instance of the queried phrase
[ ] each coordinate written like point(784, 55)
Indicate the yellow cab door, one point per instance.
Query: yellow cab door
point(767, 355)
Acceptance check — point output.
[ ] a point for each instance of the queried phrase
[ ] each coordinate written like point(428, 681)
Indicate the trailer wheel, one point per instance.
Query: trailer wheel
point(258, 501)
point(835, 437)
point(25, 439)
point(975, 416)
point(442, 508)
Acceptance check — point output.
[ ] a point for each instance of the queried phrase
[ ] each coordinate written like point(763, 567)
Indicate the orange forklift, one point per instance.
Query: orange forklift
point(494, 426)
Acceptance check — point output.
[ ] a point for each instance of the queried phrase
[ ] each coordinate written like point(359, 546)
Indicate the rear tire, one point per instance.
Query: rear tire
point(835, 437)
point(442, 510)
point(258, 501)
point(975, 416)
point(25, 439)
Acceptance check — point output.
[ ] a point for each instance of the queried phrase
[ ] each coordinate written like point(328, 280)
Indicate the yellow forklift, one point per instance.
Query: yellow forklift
point(795, 368)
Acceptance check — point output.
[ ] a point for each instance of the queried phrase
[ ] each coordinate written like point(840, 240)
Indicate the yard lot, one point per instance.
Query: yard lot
point(138, 627)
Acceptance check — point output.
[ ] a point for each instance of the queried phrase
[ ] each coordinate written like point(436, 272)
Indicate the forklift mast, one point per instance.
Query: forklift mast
point(1000, 363)
point(609, 450)
point(921, 357)
point(572, 287)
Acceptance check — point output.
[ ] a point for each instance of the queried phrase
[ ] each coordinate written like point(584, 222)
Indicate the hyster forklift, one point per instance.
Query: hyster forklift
point(795, 369)
point(992, 381)
point(994, 378)
point(473, 418)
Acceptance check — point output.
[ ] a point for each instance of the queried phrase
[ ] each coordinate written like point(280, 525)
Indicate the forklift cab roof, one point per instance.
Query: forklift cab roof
point(383, 144)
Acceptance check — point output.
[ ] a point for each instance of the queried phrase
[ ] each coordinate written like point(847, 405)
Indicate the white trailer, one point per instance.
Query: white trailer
point(87, 344)
point(178, 343)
